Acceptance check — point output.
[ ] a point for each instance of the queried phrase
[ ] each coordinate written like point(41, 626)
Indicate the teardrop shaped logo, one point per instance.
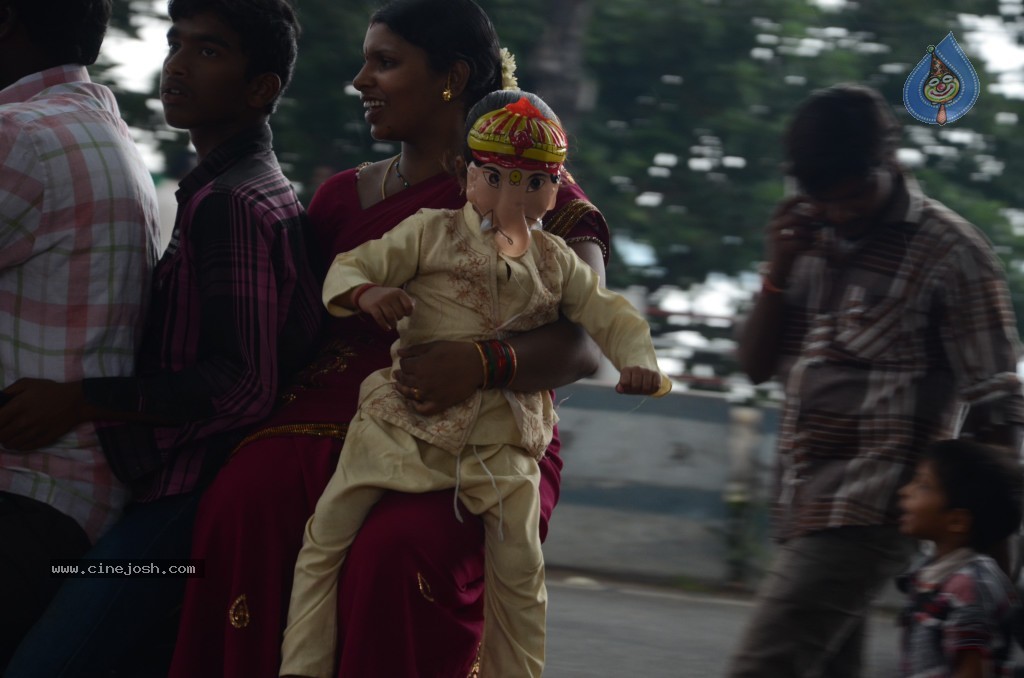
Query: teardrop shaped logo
point(943, 86)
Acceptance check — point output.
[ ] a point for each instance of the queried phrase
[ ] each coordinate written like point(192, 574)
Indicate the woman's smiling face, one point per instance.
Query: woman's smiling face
point(401, 94)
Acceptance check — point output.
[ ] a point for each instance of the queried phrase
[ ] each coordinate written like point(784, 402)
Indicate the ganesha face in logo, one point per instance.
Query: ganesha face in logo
point(943, 86)
point(941, 89)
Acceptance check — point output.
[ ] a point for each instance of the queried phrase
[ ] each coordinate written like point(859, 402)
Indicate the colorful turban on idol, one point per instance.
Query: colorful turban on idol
point(518, 135)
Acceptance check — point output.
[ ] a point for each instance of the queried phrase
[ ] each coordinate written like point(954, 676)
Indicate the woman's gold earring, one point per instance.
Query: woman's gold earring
point(447, 93)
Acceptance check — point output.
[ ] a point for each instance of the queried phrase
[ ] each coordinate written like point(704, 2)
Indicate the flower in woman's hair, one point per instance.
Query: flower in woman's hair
point(508, 70)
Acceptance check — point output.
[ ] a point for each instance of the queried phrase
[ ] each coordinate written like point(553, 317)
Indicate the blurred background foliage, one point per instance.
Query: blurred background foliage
point(675, 110)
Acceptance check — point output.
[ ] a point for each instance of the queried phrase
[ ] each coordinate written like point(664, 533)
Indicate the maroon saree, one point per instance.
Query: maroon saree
point(410, 596)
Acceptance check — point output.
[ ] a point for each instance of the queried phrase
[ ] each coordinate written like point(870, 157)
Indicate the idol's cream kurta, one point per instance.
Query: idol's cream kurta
point(486, 447)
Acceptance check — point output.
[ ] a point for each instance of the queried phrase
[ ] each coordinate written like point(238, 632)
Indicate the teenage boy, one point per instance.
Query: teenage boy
point(77, 249)
point(235, 306)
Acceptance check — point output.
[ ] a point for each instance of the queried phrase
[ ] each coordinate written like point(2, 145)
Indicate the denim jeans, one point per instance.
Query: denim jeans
point(96, 626)
point(31, 535)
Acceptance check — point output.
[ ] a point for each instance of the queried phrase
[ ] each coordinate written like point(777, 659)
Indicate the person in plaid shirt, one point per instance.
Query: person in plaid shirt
point(884, 314)
point(962, 612)
point(78, 234)
point(235, 307)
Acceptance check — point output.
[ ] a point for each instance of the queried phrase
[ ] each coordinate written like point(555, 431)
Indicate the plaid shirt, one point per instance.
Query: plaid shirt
point(235, 309)
point(960, 602)
point(884, 340)
point(78, 233)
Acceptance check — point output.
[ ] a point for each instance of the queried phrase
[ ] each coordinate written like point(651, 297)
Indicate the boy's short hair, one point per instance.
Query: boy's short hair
point(843, 132)
point(69, 31)
point(269, 30)
point(983, 480)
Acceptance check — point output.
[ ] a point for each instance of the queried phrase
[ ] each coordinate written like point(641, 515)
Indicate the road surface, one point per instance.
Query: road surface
point(601, 628)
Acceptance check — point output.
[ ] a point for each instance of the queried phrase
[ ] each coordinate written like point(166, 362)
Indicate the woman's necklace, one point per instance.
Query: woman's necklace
point(398, 171)
point(384, 181)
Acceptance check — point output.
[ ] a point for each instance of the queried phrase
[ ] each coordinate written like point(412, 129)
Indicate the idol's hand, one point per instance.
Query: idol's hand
point(387, 305)
point(639, 381)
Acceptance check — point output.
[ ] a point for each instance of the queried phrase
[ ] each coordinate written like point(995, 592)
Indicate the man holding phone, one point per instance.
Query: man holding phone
point(884, 314)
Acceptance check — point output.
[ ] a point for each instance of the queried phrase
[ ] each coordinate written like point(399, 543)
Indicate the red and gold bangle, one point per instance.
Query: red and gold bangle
point(359, 292)
point(515, 364)
point(499, 360)
point(505, 367)
point(483, 361)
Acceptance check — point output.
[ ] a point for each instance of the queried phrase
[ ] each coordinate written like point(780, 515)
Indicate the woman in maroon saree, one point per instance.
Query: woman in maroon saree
point(410, 593)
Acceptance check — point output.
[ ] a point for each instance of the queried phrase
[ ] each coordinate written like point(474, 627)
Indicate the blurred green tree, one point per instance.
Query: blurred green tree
point(675, 110)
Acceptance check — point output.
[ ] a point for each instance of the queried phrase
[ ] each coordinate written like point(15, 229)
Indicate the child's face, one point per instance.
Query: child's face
point(923, 505)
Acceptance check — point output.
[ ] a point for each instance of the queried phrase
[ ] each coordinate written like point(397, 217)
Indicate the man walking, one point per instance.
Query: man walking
point(883, 313)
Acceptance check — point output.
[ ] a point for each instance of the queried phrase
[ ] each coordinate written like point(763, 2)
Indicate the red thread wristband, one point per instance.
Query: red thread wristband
point(359, 292)
point(769, 287)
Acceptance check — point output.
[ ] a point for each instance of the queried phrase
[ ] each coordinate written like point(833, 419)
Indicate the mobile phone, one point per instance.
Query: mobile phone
point(790, 186)
point(791, 189)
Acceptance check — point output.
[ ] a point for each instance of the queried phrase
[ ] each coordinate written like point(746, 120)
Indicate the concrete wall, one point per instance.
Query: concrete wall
point(645, 484)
